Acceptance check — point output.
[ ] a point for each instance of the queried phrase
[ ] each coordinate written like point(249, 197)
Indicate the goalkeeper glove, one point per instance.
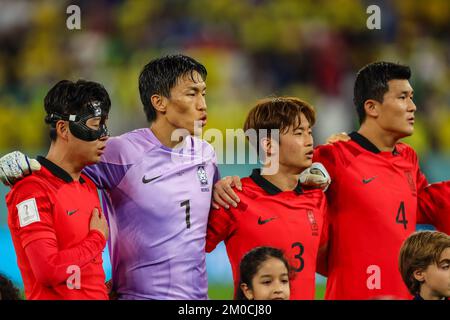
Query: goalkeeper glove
point(316, 176)
point(15, 166)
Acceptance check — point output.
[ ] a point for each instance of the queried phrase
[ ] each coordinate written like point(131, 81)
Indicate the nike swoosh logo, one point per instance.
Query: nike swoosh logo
point(261, 221)
point(69, 213)
point(366, 181)
point(149, 180)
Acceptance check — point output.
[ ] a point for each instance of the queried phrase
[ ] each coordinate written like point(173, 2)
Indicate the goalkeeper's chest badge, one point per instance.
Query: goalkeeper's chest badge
point(203, 178)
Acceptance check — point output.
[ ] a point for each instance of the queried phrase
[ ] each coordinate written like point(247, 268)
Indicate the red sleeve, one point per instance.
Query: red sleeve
point(221, 224)
point(434, 204)
point(38, 222)
point(50, 266)
point(325, 154)
point(324, 233)
point(36, 233)
point(421, 183)
point(322, 254)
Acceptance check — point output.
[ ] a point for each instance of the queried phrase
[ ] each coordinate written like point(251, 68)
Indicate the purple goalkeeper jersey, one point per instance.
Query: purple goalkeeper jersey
point(157, 202)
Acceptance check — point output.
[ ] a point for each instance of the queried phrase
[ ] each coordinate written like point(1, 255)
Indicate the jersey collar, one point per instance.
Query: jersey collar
point(366, 144)
point(155, 140)
point(57, 171)
point(267, 186)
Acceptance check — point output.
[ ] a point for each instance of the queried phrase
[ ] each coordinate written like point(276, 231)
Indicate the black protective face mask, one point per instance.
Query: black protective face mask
point(77, 123)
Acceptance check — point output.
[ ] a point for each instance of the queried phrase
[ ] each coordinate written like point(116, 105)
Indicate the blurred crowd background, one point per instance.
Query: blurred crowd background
point(252, 49)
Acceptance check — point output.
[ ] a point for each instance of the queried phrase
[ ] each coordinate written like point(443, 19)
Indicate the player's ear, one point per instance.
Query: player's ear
point(248, 293)
point(266, 145)
point(62, 129)
point(270, 145)
point(371, 108)
point(159, 102)
point(419, 275)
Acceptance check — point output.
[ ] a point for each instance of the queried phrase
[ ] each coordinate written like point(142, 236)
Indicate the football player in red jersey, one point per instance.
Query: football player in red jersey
point(373, 200)
point(53, 215)
point(274, 209)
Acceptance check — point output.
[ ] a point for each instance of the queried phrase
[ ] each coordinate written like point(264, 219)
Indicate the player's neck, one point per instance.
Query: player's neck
point(64, 160)
point(163, 131)
point(428, 294)
point(283, 179)
point(383, 140)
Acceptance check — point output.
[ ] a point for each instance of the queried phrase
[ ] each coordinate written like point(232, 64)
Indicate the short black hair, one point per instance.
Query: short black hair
point(7, 289)
point(67, 97)
point(251, 262)
point(372, 83)
point(160, 75)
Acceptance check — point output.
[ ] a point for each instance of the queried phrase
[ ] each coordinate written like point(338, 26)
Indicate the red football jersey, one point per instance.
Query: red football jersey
point(372, 205)
point(48, 208)
point(434, 206)
point(291, 221)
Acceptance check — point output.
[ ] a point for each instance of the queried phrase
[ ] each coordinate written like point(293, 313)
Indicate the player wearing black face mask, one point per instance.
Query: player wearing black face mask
point(77, 123)
point(54, 215)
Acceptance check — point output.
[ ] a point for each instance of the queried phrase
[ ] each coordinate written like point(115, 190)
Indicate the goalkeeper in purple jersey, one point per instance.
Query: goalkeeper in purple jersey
point(157, 191)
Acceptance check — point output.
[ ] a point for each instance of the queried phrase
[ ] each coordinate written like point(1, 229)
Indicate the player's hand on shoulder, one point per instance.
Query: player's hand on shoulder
point(15, 166)
point(223, 193)
point(343, 136)
point(98, 222)
point(316, 176)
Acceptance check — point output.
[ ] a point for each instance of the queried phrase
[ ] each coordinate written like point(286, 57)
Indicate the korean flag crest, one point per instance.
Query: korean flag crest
point(202, 176)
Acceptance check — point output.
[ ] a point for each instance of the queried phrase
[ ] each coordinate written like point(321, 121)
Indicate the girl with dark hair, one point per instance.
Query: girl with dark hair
point(265, 275)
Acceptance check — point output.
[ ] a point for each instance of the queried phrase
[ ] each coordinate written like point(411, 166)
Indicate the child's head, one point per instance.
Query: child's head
point(264, 275)
point(425, 263)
